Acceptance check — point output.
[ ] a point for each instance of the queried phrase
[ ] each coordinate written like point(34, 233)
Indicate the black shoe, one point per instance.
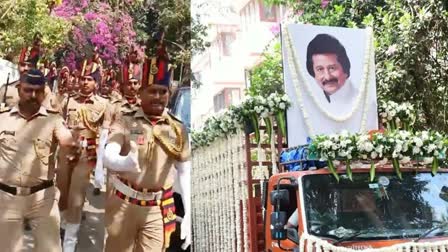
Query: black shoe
point(62, 233)
point(96, 191)
point(26, 225)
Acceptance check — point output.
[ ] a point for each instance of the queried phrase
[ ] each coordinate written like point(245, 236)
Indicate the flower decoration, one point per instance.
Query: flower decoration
point(251, 110)
point(397, 116)
point(399, 146)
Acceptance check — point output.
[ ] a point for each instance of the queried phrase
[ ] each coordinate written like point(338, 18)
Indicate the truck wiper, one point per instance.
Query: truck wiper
point(443, 226)
point(349, 237)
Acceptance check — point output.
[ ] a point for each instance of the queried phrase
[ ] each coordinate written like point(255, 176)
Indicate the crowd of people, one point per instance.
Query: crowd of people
point(62, 128)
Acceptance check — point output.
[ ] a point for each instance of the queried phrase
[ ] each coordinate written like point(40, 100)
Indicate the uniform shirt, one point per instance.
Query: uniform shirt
point(123, 106)
point(156, 164)
point(97, 111)
point(26, 147)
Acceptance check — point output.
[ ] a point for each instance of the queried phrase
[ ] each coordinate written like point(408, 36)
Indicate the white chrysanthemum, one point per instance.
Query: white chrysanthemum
point(343, 153)
point(405, 160)
point(428, 160)
point(373, 155)
point(418, 142)
point(431, 147)
point(416, 150)
point(425, 135)
point(282, 105)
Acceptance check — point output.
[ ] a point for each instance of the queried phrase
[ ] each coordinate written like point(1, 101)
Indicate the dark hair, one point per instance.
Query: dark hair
point(324, 43)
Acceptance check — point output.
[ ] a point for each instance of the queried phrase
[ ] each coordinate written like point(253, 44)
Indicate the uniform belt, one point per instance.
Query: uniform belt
point(128, 191)
point(25, 191)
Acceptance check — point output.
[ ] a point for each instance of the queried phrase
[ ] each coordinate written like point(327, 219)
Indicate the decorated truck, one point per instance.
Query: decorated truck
point(408, 214)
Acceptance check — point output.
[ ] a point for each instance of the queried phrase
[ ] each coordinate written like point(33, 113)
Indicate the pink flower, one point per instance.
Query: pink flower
point(324, 3)
point(275, 29)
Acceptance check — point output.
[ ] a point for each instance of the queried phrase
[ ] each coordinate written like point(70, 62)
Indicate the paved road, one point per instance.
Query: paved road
point(91, 236)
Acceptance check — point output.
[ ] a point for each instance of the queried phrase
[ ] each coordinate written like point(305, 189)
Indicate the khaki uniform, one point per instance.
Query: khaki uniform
point(84, 118)
point(12, 96)
point(27, 160)
point(145, 225)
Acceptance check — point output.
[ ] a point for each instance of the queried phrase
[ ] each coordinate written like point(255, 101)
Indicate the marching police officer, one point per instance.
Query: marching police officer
point(29, 135)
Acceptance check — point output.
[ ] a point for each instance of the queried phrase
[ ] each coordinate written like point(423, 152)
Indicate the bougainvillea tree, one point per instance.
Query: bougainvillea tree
point(96, 25)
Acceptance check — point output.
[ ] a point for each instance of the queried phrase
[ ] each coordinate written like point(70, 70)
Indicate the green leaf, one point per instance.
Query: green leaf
point(254, 121)
point(434, 166)
point(349, 170)
point(333, 169)
point(372, 171)
point(396, 166)
point(268, 122)
point(281, 121)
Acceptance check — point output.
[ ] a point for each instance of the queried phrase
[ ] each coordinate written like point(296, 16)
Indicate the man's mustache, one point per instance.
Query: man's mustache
point(325, 82)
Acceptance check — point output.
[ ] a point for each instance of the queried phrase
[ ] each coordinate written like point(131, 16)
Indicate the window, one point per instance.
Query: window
point(225, 98)
point(218, 101)
point(227, 39)
point(268, 13)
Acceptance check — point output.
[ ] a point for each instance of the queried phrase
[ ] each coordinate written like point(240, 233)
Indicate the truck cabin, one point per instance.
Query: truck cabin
point(358, 214)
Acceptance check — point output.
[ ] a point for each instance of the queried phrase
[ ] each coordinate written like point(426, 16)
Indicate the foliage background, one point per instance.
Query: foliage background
point(411, 48)
point(72, 28)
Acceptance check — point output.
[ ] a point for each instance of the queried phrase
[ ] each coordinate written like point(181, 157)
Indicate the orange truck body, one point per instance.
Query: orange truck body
point(272, 245)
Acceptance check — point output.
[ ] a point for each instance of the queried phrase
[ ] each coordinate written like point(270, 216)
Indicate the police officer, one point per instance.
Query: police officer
point(143, 149)
point(29, 135)
point(88, 116)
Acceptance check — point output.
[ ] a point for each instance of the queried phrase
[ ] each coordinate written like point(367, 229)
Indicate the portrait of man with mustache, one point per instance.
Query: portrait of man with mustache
point(328, 64)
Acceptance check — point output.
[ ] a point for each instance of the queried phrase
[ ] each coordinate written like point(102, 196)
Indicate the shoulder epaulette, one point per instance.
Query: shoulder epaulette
point(174, 117)
point(129, 113)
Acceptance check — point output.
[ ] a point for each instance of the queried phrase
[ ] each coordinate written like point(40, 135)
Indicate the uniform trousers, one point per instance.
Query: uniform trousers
point(41, 209)
point(133, 228)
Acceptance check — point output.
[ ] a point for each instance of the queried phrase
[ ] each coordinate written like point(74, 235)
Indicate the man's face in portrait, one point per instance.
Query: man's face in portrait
point(328, 72)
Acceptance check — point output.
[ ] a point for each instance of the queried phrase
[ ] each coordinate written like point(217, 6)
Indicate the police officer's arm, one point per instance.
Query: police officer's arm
point(63, 134)
point(114, 158)
point(183, 166)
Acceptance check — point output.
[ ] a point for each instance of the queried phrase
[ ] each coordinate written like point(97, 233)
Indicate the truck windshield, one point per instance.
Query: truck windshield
point(387, 208)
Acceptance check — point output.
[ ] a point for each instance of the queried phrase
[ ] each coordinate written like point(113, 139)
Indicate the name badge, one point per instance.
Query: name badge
point(140, 139)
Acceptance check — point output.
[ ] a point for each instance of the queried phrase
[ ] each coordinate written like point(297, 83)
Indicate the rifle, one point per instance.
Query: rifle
point(6, 89)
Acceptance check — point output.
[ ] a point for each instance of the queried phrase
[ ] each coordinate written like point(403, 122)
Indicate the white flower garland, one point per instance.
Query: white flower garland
point(298, 73)
point(219, 196)
point(314, 243)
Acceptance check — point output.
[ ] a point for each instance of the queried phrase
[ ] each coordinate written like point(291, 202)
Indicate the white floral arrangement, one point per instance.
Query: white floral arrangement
point(397, 116)
point(400, 147)
point(250, 110)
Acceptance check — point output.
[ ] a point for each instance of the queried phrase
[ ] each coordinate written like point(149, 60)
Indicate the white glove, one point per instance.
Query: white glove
point(185, 231)
point(99, 174)
point(115, 162)
point(183, 172)
point(99, 171)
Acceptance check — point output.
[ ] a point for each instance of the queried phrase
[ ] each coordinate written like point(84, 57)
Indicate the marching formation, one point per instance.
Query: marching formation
point(60, 126)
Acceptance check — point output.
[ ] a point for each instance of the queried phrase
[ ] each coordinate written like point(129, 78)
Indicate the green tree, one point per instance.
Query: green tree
point(267, 77)
point(411, 47)
point(21, 20)
point(183, 35)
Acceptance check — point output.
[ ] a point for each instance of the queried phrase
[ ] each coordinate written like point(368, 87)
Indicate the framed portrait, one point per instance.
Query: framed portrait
point(329, 74)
